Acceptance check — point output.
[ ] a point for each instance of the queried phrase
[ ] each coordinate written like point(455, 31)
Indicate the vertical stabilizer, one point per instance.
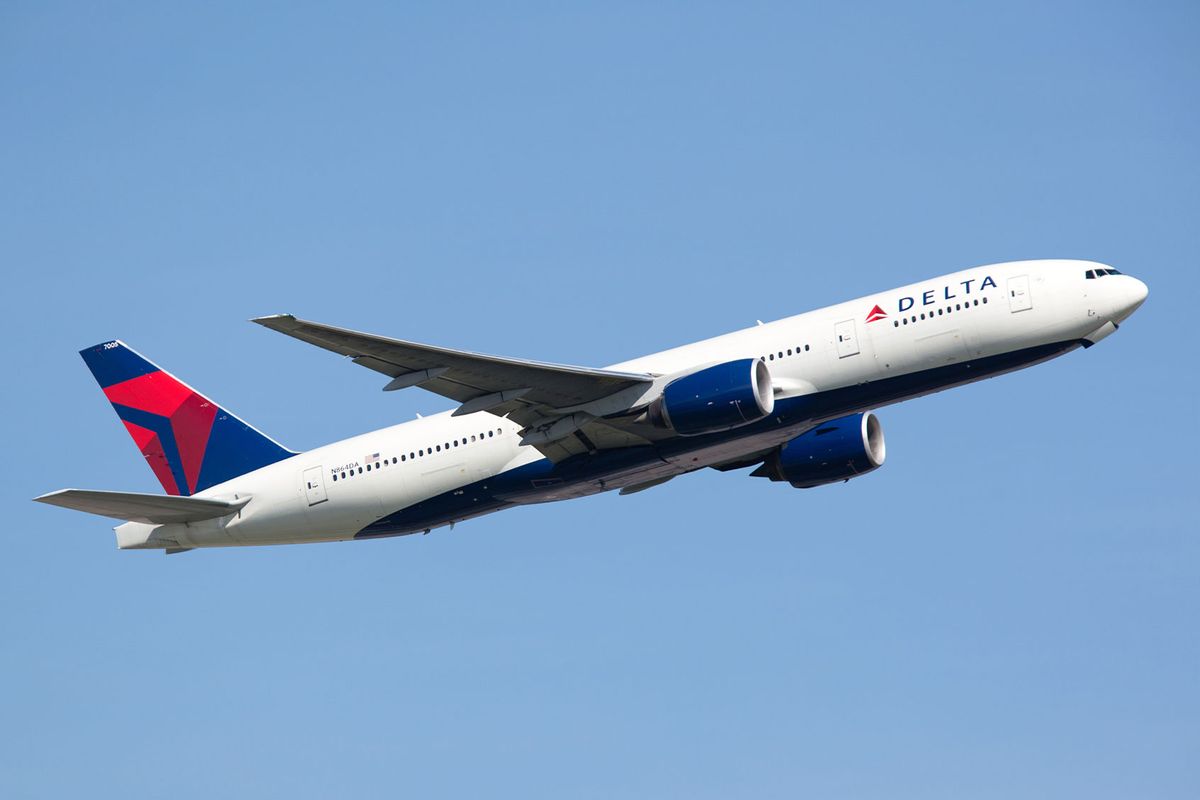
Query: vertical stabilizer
point(189, 441)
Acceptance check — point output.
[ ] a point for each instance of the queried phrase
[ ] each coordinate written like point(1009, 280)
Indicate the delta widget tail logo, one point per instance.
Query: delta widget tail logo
point(189, 442)
point(877, 313)
point(158, 412)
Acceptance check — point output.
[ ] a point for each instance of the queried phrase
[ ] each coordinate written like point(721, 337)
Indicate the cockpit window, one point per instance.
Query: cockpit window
point(1113, 272)
point(1090, 274)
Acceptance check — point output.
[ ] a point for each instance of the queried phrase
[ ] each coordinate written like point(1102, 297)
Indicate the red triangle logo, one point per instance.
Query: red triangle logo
point(876, 314)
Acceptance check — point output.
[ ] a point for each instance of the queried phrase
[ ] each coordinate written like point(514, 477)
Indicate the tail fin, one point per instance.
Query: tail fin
point(189, 441)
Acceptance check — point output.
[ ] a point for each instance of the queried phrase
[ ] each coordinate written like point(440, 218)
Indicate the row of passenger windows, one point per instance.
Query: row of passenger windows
point(1099, 273)
point(420, 453)
point(931, 314)
point(797, 351)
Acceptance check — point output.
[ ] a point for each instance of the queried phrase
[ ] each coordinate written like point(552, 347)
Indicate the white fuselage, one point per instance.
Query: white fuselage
point(965, 318)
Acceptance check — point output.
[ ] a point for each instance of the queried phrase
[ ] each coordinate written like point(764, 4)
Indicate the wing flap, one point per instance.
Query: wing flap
point(155, 509)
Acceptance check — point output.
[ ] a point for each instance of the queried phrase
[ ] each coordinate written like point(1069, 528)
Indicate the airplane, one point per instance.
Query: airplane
point(793, 399)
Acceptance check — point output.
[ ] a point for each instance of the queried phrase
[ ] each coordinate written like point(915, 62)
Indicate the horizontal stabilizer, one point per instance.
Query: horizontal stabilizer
point(155, 509)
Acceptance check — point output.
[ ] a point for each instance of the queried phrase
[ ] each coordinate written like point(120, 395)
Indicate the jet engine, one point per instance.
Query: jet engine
point(834, 451)
point(716, 398)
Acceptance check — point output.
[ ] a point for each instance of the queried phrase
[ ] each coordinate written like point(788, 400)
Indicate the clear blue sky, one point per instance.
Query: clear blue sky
point(1009, 608)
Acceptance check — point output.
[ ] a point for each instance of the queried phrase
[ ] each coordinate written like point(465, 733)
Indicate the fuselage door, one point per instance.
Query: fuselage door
point(847, 339)
point(1019, 298)
point(314, 485)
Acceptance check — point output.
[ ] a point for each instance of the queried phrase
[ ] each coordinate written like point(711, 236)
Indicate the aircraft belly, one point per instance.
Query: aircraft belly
point(725, 451)
point(552, 490)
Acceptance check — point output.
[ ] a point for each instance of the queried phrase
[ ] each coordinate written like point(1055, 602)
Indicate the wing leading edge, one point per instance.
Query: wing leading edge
point(551, 400)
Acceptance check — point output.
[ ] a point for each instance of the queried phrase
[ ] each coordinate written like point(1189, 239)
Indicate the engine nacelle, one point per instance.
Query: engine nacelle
point(834, 451)
point(716, 398)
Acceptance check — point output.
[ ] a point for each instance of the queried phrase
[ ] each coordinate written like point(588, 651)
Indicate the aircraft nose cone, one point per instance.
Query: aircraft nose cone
point(1140, 292)
point(1133, 294)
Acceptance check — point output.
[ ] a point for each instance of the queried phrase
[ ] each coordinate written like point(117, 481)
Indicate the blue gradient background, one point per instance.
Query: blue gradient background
point(1008, 609)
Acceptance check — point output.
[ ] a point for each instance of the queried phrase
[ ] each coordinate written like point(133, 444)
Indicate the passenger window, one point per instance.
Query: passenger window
point(985, 301)
point(806, 348)
point(360, 470)
point(491, 434)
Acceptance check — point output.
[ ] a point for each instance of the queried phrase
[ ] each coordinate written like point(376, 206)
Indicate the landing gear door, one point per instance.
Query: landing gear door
point(314, 486)
point(1019, 298)
point(847, 338)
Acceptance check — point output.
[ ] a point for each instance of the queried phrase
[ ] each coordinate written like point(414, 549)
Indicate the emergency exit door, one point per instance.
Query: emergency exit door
point(1019, 298)
point(847, 338)
point(314, 486)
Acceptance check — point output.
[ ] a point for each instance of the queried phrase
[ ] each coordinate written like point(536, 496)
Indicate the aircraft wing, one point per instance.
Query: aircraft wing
point(551, 400)
point(138, 507)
